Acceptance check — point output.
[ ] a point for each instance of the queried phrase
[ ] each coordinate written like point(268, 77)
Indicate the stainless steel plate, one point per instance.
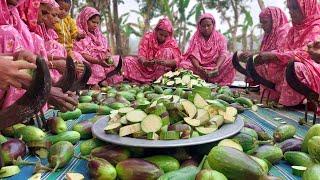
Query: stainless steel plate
point(225, 131)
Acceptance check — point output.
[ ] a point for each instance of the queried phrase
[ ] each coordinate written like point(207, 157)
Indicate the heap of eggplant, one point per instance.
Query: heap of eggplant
point(181, 79)
point(252, 151)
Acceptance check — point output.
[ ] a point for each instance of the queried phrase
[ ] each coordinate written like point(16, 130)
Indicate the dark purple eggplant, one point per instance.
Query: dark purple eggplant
point(134, 169)
point(239, 107)
point(189, 162)
point(111, 153)
point(101, 169)
point(262, 135)
point(56, 125)
point(292, 144)
point(84, 128)
point(11, 150)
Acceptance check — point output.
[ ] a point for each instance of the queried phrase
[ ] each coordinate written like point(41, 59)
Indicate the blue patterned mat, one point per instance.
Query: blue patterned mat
point(263, 117)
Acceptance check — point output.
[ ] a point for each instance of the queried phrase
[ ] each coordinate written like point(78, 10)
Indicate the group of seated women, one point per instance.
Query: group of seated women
point(45, 28)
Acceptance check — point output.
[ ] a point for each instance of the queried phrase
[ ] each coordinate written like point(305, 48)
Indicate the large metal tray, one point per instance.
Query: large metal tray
point(225, 131)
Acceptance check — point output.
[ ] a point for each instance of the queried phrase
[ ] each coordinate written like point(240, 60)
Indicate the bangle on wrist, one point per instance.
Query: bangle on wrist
point(51, 65)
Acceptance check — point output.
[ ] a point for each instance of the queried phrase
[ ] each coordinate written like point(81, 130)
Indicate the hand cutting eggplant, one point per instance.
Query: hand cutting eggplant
point(32, 101)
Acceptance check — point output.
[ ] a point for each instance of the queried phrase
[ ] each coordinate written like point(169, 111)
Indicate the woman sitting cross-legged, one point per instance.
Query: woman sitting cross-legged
point(94, 47)
point(158, 54)
point(207, 55)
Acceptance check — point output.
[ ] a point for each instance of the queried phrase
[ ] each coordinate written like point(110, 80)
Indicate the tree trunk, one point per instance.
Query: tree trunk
point(234, 5)
point(244, 39)
point(261, 4)
point(116, 27)
point(148, 16)
point(184, 39)
point(72, 8)
point(109, 26)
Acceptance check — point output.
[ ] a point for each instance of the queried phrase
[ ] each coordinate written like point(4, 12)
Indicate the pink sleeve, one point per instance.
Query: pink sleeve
point(177, 55)
point(223, 46)
point(105, 43)
point(299, 54)
point(39, 45)
point(80, 46)
point(143, 46)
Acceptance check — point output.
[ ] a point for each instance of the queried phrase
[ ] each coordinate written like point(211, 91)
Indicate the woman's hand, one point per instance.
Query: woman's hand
point(202, 72)
point(80, 36)
point(213, 73)
point(63, 101)
point(264, 58)
point(105, 64)
point(11, 74)
point(148, 63)
point(243, 57)
point(59, 65)
point(161, 62)
point(25, 55)
point(314, 51)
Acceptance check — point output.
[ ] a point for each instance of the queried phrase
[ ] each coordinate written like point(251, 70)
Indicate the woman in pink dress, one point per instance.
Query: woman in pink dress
point(94, 47)
point(275, 24)
point(305, 16)
point(56, 52)
point(158, 54)
point(14, 36)
point(207, 55)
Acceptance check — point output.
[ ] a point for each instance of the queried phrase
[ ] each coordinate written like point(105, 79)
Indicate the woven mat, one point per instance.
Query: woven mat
point(263, 117)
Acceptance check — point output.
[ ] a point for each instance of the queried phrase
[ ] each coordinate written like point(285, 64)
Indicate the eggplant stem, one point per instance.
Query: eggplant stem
point(57, 166)
point(24, 163)
point(82, 157)
point(20, 162)
point(265, 142)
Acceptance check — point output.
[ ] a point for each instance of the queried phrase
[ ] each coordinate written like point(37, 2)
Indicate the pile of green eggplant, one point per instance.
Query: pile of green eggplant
point(155, 113)
point(181, 79)
point(247, 155)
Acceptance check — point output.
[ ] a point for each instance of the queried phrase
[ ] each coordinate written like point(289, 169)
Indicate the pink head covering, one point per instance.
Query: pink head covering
point(82, 23)
point(150, 49)
point(310, 10)
point(29, 13)
point(206, 51)
point(5, 15)
point(280, 28)
point(307, 31)
point(165, 24)
point(52, 3)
